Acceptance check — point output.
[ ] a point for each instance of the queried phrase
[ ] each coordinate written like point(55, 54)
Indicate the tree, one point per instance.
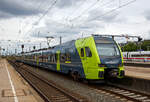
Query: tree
point(145, 45)
point(130, 47)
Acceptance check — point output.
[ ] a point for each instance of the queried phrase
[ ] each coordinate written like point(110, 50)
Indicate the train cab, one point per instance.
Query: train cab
point(101, 57)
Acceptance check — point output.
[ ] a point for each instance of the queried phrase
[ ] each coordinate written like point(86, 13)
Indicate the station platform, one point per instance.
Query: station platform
point(13, 87)
point(137, 72)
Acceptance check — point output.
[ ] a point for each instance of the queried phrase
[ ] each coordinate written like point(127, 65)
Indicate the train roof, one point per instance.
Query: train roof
point(68, 44)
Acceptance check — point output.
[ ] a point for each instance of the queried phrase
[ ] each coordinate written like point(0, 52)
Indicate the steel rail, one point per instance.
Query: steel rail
point(65, 95)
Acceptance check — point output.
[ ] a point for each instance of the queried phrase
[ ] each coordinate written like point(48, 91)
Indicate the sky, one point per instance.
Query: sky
point(29, 22)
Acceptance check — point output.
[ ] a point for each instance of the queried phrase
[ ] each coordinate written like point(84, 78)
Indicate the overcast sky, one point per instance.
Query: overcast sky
point(30, 21)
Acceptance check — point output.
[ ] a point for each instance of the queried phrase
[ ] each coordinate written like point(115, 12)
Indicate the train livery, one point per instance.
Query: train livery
point(92, 58)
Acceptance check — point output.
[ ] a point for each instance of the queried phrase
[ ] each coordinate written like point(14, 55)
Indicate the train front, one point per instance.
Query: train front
point(110, 57)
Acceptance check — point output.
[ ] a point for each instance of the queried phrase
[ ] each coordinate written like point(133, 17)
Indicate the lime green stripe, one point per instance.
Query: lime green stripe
point(58, 60)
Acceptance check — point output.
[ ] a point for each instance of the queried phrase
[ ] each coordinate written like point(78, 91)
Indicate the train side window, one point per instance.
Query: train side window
point(82, 52)
point(53, 58)
point(88, 52)
point(62, 57)
point(68, 57)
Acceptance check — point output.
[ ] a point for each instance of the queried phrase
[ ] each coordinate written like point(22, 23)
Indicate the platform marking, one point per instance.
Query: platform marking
point(11, 83)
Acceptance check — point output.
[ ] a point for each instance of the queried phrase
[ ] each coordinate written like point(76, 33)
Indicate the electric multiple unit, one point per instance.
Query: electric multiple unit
point(92, 58)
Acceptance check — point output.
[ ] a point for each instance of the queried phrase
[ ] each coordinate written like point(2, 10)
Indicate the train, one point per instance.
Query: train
point(137, 56)
point(93, 58)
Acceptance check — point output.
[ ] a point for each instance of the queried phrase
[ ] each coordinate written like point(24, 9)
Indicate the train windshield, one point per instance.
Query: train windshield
point(107, 49)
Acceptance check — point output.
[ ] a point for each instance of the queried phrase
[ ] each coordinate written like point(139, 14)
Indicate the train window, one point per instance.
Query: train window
point(82, 52)
point(62, 57)
point(88, 52)
point(68, 57)
point(53, 58)
point(45, 58)
point(71, 50)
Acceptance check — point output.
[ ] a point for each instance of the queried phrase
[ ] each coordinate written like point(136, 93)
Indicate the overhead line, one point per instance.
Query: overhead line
point(49, 8)
point(121, 6)
point(104, 4)
point(38, 7)
point(82, 3)
point(81, 14)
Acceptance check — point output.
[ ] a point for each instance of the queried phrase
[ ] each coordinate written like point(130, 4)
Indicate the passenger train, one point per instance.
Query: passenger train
point(92, 58)
point(137, 56)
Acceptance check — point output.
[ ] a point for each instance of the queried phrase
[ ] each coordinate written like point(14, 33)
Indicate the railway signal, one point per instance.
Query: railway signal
point(139, 39)
point(34, 47)
point(22, 46)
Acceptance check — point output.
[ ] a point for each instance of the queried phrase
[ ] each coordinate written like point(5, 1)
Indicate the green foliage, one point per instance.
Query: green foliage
point(130, 47)
point(145, 45)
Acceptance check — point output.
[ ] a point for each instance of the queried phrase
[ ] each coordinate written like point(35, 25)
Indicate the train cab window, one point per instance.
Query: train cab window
point(88, 52)
point(82, 52)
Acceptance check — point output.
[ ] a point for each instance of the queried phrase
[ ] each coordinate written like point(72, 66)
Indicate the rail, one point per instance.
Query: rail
point(49, 91)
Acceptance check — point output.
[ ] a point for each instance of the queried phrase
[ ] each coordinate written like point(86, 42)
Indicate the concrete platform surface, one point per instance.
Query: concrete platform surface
point(13, 88)
point(137, 72)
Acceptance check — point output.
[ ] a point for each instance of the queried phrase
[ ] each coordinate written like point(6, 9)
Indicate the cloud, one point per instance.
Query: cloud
point(147, 15)
point(67, 3)
point(5, 15)
point(13, 8)
point(101, 15)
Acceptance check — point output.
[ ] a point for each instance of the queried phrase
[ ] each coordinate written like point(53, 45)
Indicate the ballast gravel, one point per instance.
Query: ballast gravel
point(93, 95)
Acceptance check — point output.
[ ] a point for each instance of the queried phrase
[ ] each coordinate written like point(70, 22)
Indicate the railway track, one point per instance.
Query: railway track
point(47, 89)
point(123, 94)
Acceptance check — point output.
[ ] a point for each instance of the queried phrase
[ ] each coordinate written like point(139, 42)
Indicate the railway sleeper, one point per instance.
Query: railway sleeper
point(141, 98)
point(61, 100)
point(125, 92)
point(147, 100)
point(129, 94)
point(134, 96)
point(118, 91)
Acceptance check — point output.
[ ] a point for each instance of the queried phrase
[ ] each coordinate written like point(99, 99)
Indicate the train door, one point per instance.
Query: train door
point(86, 57)
point(83, 58)
point(58, 60)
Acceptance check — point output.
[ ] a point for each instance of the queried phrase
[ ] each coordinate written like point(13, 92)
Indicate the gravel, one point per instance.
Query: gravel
point(86, 91)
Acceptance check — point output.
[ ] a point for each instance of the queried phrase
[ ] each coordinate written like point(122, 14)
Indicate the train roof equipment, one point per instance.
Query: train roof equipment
point(122, 35)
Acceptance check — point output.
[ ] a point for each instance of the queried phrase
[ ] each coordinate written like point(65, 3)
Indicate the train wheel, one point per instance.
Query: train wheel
point(75, 76)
